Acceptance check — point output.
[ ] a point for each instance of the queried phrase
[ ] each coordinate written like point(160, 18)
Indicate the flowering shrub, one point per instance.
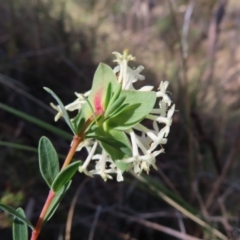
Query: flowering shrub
point(117, 110)
point(121, 127)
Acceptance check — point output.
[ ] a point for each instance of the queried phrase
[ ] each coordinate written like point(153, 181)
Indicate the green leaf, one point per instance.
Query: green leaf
point(16, 214)
point(140, 105)
point(103, 77)
point(20, 231)
point(116, 94)
point(65, 176)
point(117, 111)
point(80, 119)
point(65, 114)
point(115, 105)
point(36, 121)
point(18, 146)
point(115, 142)
point(25, 148)
point(121, 165)
point(108, 95)
point(48, 160)
point(56, 201)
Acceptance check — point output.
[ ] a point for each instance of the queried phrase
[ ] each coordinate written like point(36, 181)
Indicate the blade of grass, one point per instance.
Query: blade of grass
point(26, 148)
point(18, 146)
point(36, 121)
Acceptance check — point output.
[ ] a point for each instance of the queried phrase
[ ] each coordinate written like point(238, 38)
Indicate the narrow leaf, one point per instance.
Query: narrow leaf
point(108, 95)
point(20, 231)
point(48, 160)
point(36, 121)
point(25, 148)
point(56, 201)
point(116, 94)
point(115, 142)
point(65, 176)
point(79, 120)
point(16, 214)
point(140, 104)
point(118, 110)
point(115, 105)
point(65, 114)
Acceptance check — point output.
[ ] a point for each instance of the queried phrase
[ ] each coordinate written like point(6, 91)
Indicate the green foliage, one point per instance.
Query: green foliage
point(16, 214)
point(115, 143)
point(65, 176)
point(19, 229)
point(65, 114)
point(56, 201)
point(139, 105)
point(48, 160)
point(102, 78)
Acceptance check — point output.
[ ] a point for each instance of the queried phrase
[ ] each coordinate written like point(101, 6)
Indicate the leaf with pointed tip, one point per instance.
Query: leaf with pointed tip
point(140, 105)
point(115, 94)
point(16, 214)
point(65, 114)
point(19, 229)
point(48, 160)
point(65, 176)
point(114, 142)
point(115, 105)
point(108, 95)
point(103, 77)
point(56, 201)
point(80, 119)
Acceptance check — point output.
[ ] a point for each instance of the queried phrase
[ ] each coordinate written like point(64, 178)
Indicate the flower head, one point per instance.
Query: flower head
point(116, 138)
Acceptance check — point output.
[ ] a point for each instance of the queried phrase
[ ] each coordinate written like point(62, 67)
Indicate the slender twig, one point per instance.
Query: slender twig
point(71, 210)
point(181, 223)
point(96, 217)
point(226, 166)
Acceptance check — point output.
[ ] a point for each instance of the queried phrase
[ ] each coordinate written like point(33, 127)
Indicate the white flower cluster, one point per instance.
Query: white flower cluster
point(146, 143)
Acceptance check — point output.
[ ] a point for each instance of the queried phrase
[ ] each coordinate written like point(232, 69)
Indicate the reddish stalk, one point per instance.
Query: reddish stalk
point(76, 141)
point(37, 228)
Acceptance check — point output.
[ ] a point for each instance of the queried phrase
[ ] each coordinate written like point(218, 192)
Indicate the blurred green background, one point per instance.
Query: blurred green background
point(195, 45)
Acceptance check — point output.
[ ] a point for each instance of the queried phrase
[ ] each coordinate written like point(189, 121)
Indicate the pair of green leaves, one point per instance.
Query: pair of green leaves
point(58, 181)
point(49, 166)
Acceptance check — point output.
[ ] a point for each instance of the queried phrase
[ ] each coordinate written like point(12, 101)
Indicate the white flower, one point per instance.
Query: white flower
point(146, 143)
point(76, 105)
point(127, 76)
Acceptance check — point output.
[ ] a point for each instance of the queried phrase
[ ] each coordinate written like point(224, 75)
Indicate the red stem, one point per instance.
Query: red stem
point(76, 141)
point(37, 229)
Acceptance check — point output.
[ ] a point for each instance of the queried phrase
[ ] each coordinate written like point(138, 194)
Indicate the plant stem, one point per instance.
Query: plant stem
point(76, 141)
point(37, 228)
